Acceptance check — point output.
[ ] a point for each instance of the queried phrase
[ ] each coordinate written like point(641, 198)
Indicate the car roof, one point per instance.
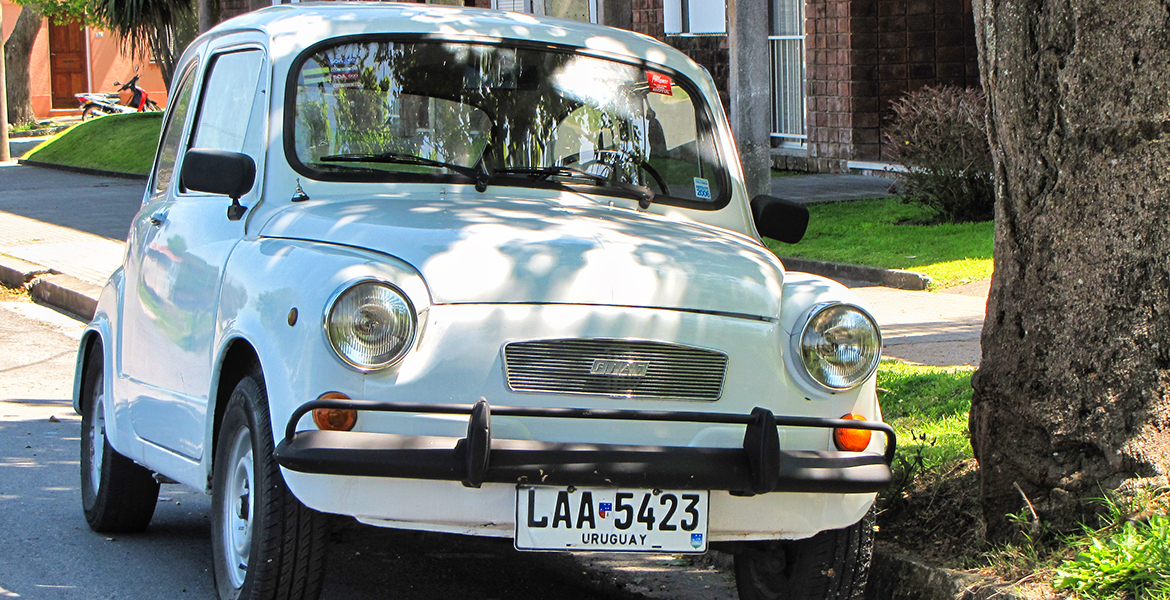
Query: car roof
point(294, 27)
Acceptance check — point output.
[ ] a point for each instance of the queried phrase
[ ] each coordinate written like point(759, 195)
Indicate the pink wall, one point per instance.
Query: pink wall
point(106, 64)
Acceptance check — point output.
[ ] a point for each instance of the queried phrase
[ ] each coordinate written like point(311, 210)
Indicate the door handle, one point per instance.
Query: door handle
point(158, 218)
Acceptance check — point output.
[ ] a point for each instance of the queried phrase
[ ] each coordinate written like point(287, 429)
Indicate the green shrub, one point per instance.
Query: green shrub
point(940, 136)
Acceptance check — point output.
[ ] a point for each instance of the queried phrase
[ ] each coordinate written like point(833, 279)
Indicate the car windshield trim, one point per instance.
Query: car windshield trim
point(712, 180)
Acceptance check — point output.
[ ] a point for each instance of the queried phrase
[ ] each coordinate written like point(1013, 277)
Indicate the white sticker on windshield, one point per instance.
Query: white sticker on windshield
point(702, 189)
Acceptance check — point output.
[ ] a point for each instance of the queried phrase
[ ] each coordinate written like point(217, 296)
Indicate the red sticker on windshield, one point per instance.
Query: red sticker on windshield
point(659, 83)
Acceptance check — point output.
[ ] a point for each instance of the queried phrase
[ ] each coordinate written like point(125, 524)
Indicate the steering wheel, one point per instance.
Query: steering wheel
point(612, 158)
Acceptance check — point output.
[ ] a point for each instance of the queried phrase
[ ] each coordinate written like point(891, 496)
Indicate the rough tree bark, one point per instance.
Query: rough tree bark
point(1073, 393)
point(17, 54)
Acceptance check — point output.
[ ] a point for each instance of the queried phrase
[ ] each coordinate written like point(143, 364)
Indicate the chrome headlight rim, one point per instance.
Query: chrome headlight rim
point(796, 347)
point(412, 313)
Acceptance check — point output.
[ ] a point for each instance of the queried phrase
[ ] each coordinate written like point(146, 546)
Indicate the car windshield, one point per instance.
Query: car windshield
point(496, 115)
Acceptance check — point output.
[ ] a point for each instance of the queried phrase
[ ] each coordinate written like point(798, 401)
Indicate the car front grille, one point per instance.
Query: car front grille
point(616, 368)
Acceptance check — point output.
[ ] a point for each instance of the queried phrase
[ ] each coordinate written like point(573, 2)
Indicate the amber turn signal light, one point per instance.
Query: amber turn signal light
point(852, 440)
point(334, 419)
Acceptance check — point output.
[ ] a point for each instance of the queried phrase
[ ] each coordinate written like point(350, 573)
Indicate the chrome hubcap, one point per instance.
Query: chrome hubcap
point(237, 508)
point(96, 435)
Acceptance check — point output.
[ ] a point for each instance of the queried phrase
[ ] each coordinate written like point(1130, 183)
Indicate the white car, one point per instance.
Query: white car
point(481, 273)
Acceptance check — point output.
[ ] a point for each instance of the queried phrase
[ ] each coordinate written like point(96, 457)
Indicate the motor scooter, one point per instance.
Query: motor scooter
point(129, 98)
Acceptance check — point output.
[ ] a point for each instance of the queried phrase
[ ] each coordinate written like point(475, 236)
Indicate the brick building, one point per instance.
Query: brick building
point(817, 75)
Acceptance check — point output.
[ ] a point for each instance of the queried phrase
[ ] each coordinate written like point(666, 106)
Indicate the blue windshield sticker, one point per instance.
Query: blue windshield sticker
point(702, 189)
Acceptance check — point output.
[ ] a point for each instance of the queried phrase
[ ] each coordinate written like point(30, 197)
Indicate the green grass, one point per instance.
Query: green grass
point(927, 407)
point(884, 233)
point(1127, 558)
point(118, 143)
point(33, 126)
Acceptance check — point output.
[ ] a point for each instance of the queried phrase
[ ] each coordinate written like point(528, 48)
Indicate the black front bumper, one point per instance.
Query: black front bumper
point(759, 467)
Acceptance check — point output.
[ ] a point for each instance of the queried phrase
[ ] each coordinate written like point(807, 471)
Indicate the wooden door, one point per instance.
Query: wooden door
point(67, 63)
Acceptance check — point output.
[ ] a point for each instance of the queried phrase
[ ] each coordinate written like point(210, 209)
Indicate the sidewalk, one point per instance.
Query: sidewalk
point(71, 239)
point(63, 244)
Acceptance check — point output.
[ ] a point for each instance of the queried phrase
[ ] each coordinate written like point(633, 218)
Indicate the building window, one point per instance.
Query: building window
point(789, 123)
point(694, 17)
point(577, 10)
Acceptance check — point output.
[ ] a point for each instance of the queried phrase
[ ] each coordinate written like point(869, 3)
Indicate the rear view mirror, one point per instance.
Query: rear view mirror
point(778, 219)
point(218, 172)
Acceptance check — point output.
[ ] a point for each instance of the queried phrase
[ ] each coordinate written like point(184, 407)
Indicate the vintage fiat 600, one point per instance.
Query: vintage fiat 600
point(481, 273)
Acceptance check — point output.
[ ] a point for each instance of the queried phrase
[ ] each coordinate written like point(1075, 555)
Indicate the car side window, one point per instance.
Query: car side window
point(173, 131)
point(225, 119)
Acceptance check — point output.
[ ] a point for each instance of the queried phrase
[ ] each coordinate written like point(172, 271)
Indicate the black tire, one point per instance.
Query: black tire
point(90, 112)
point(265, 544)
point(118, 496)
point(832, 565)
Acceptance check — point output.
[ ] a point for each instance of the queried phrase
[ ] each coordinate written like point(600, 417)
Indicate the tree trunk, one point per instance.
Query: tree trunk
point(207, 14)
point(5, 151)
point(1072, 397)
point(17, 54)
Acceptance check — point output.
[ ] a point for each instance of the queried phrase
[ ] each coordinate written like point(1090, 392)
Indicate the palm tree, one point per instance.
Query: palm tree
point(164, 27)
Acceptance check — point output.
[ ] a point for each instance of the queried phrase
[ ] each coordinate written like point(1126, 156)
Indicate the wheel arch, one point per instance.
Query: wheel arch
point(92, 338)
point(239, 358)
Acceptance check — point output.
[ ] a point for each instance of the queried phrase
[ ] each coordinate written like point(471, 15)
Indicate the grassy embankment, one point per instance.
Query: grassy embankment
point(116, 143)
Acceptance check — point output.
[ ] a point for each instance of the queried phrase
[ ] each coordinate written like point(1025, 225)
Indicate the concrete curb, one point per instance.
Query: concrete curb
point(904, 280)
point(82, 170)
point(895, 576)
point(65, 293)
point(16, 273)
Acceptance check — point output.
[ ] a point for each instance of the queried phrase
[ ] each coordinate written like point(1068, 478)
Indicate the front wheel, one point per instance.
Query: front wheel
point(832, 565)
point(265, 543)
point(118, 496)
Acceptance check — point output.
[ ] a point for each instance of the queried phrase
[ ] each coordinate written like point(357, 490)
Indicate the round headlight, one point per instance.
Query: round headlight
point(840, 346)
point(370, 325)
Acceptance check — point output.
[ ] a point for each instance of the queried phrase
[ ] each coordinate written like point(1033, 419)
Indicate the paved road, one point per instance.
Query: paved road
point(48, 552)
point(102, 206)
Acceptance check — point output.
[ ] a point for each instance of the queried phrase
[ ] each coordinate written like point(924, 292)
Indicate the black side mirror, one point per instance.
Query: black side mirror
point(220, 172)
point(778, 219)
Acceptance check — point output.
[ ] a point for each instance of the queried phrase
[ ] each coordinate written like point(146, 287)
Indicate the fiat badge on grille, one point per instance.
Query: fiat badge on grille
point(619, 368)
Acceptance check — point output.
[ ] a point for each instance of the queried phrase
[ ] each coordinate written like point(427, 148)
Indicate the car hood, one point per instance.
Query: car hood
point(487, 249)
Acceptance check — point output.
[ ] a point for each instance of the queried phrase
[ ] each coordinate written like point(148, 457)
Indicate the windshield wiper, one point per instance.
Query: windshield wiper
point(641, 193)
point(477, 173)
point(543, 173)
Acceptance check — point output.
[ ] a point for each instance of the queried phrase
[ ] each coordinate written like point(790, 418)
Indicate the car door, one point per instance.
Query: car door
point(179, 245)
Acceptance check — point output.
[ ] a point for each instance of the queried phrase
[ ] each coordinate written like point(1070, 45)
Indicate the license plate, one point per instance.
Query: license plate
point(611, 520)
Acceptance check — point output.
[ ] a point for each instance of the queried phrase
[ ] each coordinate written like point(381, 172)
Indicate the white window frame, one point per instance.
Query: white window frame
point(694, 17)
point(536, 7)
